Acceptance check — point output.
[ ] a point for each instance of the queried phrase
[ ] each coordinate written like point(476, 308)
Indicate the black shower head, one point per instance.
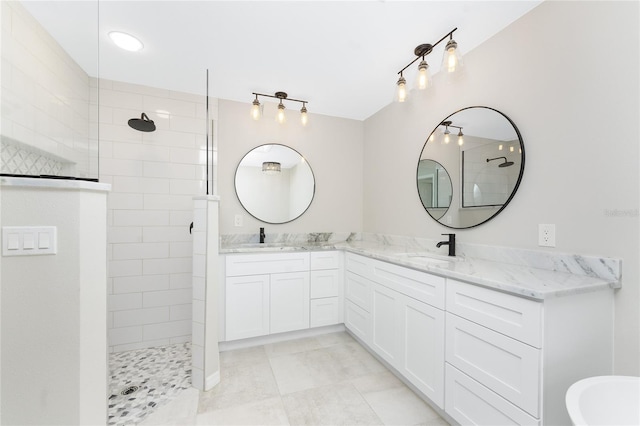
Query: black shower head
point(142, 124)
point(504, 164)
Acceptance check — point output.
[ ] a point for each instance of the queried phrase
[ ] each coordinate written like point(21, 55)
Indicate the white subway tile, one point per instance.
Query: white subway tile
point(187, 156)
point(198, 311)
point(119, 336)
point(124, 234)
point(167, 202)
point(126, 201)
point(140, 251)
point(199, 265)
point(151, 234)
point(197, 333)
point(169, 170)
point(180, 339)
point(121, 302)
point(197, 356)
point(167, 330)
point(120, 133)
point(183, 280)
point(140, 89)
point(172, 106)
point(166, 266)
point(120, 167)
point(199, 242)
point(197, 378)
point(166, 298)
point(188, 124)
point(181, 312)
point(146, 218)
point(120, 99)
point(123, 268)
point(141, 316)
point(141, 152)
point(181, 217)
point(141, 345)
point(140, 283)
point(199, 285)
point(181, 249)
point(184, 186)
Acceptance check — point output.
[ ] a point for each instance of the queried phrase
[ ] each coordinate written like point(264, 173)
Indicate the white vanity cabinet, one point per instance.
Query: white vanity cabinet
point(510, 360)
point(398, 313)
point(266, 293)
point(326, 288)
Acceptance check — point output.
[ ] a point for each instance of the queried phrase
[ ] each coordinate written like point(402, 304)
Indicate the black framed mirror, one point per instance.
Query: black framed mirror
point(483, 152)
point(274, 183)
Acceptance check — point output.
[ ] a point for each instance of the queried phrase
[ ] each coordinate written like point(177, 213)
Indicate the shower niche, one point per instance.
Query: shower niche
point(479, 153)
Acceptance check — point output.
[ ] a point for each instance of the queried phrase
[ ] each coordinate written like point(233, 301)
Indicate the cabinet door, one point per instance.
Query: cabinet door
point(423, 337)
point(358, 321)
point(247, 306)
point(325, 312)
point(358, 290)
point(289, 301)
point(386, 337)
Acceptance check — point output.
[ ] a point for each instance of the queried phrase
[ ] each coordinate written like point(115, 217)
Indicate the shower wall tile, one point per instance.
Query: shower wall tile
point(154, 178)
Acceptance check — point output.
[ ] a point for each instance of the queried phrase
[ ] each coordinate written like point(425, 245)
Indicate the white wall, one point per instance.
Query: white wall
point(154, 176)
point(331, 145)
point(567, 74)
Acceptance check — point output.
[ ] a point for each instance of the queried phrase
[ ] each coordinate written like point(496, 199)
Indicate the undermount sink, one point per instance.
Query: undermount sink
point(605, 400)
point(265, 245)
point(430, 257)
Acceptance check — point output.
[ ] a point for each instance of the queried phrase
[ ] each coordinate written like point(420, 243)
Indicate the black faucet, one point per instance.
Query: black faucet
point(451, 243)
point(262, 235)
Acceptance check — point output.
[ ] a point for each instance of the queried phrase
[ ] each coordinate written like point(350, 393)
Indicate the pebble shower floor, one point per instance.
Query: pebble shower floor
point(141, 380)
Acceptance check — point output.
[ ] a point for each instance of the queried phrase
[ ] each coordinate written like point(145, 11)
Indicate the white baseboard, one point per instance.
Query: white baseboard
point(280, 337)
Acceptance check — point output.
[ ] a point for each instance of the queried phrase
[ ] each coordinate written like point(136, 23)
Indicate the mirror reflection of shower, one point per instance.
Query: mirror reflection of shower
point(503, 164)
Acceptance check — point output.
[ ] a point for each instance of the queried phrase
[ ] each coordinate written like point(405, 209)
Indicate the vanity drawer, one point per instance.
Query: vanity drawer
point(514, 316)
point(504, 365)
point(266, 263)
point(358, 321)
point(470, 403)
point(325, 260)
point(419, 285)
point(358, 265)
point(358, 290)
point(325, 283)
point(325, 312)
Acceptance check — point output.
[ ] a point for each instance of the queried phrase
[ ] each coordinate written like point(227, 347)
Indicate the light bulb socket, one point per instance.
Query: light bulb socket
point(451, 44)
point(423, 65)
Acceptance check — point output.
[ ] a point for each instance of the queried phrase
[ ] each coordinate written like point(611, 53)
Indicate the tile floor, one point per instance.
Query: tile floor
point(322, 380)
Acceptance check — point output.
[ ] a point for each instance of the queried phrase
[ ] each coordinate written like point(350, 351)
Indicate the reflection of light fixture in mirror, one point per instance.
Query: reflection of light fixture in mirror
point(271, 167)
point(500, 147)
point(452, 59)
point(447, 133)
point(423, 80)
point(125, 41)
point(255, 109)
point(447, 138)
point(280, 115)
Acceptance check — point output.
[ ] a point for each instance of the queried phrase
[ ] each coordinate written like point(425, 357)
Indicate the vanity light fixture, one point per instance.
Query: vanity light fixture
point(451, 62)
point(271, 167)
point(280, 115)
point(447, 132)
point(125, 41)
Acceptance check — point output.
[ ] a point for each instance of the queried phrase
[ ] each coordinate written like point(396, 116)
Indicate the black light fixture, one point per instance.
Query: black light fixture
point(280, 115)
point(451, 62)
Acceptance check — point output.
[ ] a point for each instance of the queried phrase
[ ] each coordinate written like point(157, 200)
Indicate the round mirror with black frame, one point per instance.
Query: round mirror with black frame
point(483, 152)
point(274, 183)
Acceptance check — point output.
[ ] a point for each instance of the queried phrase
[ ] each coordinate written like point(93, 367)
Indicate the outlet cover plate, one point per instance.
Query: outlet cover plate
point(546, 235)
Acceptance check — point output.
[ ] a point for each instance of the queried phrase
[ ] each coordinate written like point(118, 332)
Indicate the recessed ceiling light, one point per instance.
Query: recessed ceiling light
point(126, 41)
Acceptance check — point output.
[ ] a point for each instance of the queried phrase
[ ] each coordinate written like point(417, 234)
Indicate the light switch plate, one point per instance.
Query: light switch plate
point(29, 240)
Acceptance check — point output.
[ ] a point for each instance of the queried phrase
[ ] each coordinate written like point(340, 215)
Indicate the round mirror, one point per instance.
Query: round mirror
point(484, 153)
point(434, 188)
point(274, 183)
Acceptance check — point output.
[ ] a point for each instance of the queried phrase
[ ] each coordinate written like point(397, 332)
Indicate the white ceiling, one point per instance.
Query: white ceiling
point(341, 56)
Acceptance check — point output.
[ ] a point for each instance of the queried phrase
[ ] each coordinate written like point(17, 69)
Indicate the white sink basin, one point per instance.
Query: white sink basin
point(430, 257)
point(605, 400)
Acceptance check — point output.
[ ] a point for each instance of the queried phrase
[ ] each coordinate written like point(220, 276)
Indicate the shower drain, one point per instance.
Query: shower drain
point(129, 390)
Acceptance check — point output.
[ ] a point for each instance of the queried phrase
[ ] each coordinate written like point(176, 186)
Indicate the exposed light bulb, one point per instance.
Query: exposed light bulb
point(304, 118)
point(452, 60)
point(500, 147)
point(423, 80)
point(280, 116)
point(447, 134)
point(460, 138)
point(402, 89)
point(255, 109)
point(432, 136)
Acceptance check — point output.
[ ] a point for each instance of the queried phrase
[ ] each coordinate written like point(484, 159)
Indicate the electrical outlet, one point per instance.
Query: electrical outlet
point(237, 220)
point(547, 235)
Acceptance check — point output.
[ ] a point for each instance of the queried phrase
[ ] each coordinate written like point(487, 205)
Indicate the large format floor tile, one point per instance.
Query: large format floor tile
point(321, 380)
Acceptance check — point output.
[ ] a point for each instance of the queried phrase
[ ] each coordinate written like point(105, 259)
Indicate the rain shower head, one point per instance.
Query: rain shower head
point(504, 164)
point(142, 124)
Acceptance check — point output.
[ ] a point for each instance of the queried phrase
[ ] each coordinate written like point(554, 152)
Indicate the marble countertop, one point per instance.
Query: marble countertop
point(524, 281)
